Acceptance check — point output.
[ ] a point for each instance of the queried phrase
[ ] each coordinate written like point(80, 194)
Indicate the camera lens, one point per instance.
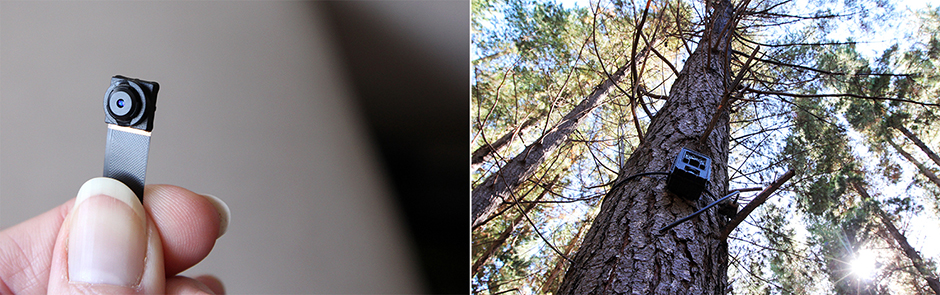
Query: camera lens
point(118, 107)
point(123, 103)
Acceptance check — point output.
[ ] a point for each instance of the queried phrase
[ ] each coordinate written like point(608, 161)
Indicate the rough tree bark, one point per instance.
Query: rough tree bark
point(486, 151)
point(923, 169)
point(933, 156)
point(623, 252)
point(497, 187)
point(932, 281)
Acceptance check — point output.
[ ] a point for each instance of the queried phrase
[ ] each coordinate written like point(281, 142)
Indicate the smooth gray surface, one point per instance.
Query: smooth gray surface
point(253, 108)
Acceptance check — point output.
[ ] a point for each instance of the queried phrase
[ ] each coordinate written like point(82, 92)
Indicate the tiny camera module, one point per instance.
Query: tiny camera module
point(131, 103)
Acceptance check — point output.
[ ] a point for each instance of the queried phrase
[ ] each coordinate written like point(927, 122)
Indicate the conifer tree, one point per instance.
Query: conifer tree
point(718, 78)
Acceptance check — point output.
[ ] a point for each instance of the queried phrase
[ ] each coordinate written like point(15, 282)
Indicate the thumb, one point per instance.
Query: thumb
point(106, 244)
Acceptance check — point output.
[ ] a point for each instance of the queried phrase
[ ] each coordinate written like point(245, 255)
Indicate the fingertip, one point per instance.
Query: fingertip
point(213, 283)
point(105, 245)
point(110, 187)
point(185, 285)
point(188, 222)
point(225, 214)
point(108, 235)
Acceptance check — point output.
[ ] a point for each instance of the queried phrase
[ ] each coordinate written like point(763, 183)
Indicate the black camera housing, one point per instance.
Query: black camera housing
point(131, 102)
point(689, 174)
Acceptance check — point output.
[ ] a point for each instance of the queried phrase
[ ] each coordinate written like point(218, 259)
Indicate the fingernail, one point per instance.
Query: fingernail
point(224, 213)
point(107, 240)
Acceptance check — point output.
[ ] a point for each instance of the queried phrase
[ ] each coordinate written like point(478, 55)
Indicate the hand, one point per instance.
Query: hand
point(111, 244)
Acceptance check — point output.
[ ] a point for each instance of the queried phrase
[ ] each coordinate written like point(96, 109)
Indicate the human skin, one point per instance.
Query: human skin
point(176, 229)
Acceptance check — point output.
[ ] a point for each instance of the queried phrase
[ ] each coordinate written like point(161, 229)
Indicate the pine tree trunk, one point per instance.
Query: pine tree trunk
point(496, 188)
point(486, 151)
point(912, 254)
point(899, 238)
point(623, 252)
point(923, 169)
point(933, 156)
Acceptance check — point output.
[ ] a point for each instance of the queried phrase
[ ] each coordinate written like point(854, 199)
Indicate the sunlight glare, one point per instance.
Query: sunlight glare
point(864, 264)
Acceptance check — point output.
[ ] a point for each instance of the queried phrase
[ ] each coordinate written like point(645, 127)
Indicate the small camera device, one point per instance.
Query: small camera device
point(129, 105)
point(689, 174)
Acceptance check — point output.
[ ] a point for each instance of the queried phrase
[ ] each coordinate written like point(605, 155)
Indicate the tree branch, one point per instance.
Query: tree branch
point(633, 72)
point(522, 211)
point(799, 44)
point(923, 147)
point(485, 151)
point(920, 166)
point(758, 200)
point(752, 90)
point(507, 231)
point(661, 57)
point(780, 63)
point(747, 189)
point(724, 100)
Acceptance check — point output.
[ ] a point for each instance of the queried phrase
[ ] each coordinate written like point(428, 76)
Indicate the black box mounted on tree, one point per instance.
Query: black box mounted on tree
point(689, 174)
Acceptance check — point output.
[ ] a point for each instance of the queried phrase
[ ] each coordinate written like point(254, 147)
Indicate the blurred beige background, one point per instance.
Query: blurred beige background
point(254, 107)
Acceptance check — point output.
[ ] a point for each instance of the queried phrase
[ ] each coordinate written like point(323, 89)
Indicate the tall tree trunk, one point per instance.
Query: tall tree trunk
point(623, 251)
point(933, 156)
point(923, 169)
point(899, 238)
point(509, 228)
point(497, 188)
point(486, 151)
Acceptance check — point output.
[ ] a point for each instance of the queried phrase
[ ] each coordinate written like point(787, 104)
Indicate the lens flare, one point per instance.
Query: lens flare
point(864, 264)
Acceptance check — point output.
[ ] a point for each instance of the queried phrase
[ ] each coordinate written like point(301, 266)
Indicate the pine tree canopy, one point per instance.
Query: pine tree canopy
point(567, 97)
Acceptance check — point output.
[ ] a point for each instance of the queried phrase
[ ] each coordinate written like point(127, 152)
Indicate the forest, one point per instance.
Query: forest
point(818, 119)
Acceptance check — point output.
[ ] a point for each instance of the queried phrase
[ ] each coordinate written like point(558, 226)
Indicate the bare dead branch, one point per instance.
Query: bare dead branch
point(802, 17)
point(779, 63)
point(758, 200)
point(509, 229)
point(485, 151)
point(663, 58)
point(481, 122)
point(748, 189)
point(724, 100)
point(799, 44)
point(536, 229)
point(633, 72)
point(767, 92)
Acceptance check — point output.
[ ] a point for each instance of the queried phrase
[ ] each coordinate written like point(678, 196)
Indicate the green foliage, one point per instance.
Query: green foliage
point(819, 151)
point(538, 28)
point(537, 57)
point(507, 263)
point(517, 64)
point(838, 249)
point(843, 224)
point(787, 259)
